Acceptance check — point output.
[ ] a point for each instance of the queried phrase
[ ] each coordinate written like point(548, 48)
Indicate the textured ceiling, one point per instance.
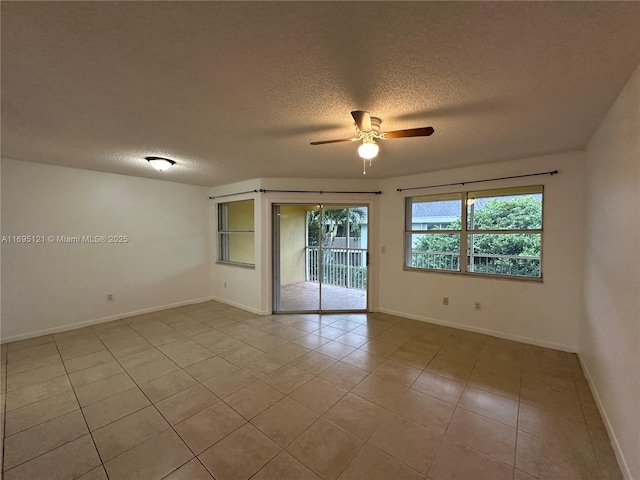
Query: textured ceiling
point(237, 90)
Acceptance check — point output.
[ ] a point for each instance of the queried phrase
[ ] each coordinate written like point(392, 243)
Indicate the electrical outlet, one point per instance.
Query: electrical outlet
point(445, 300)
point(110, 297)
point(477, 306)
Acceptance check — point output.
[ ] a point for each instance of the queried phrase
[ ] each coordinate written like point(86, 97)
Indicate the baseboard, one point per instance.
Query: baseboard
point(241, 306)
point(624, 466)
point(95, 321)
point(486, 331)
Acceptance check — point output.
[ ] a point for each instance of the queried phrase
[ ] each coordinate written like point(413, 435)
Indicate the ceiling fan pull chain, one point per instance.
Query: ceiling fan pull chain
point(364, 166)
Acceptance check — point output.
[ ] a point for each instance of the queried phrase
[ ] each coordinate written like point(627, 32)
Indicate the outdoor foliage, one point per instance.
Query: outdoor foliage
point(524, 212)
point(334, 223)
point(334, 261)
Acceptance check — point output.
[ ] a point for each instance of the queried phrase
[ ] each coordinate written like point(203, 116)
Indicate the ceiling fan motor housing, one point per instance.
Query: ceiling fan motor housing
point(375, 124)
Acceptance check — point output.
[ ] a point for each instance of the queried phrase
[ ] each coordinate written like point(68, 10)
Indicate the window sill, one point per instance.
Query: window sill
point(475, 274)
point(250, 266)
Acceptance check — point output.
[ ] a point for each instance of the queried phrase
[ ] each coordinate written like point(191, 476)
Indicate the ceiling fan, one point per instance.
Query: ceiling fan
point(368, 130)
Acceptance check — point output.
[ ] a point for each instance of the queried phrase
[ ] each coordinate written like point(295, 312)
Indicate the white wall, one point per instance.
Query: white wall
point(610, 326)
point(251, 288)
point(544, 313)
point(232, 284)
point(55, 286)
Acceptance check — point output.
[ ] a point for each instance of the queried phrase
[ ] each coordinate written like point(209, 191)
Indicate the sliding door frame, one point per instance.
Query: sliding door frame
point(275, 256)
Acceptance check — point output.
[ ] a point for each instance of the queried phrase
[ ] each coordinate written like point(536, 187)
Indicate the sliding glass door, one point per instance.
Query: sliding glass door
point(320, 258)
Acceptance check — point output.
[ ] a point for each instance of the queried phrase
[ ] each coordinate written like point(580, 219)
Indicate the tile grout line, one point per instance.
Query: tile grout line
point(320, 416)
point(33, 403)
point(588, 427)
point(30, 404)
point(242, 322)
point(125, 372)
point(515, 453)
point(366, 442)
point(137, 385)
point(248, 421)
point(172, 427)
point(4, 413)
point(73, 389)
point(155, 347)
point(42, 423)
point(150, 404)
point(435, 455)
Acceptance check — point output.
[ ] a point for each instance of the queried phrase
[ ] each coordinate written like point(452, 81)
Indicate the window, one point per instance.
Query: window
point(236, 236)
point(491, 232)
point(433, 232)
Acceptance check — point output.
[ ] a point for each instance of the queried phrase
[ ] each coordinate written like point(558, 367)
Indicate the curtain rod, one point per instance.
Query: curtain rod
point(232, 194)
point(553, 172)
point(292, 191)
point(317, 191)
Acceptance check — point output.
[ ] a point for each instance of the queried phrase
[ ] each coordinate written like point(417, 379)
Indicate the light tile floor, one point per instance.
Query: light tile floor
point(208, 391)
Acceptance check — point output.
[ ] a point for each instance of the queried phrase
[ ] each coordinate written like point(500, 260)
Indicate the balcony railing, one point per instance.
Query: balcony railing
point(342, 267)
point(515, 265)
point(435, 260)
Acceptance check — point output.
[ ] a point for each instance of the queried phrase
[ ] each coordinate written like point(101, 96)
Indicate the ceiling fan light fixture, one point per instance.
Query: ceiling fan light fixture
point(160, 163)
point(368, 150)
point(368, 129)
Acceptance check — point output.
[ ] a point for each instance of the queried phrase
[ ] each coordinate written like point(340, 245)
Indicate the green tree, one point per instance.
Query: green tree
point(522, 212)
point(332, 221)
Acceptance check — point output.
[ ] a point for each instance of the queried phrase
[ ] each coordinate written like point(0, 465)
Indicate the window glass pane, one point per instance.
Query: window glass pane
point(223, 217)
point(237, 247)
point(440, 251)
point(435, 212)
point(236, 237)
point(515, 254)
point(358, 228)
point(241, 215)
point(508, 250)
point(506, 209)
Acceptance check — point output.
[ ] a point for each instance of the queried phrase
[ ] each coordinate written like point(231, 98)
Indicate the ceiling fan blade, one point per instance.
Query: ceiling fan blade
point(334, 141)
point(410, 132)
point(363, 120)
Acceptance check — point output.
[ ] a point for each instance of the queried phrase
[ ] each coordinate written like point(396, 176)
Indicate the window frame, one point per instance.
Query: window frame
point(465, 233)
point(225, 233)
point(408, 243)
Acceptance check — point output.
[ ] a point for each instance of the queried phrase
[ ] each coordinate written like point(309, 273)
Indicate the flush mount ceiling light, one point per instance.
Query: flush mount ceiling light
point(368, 130)
point(160, 163)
